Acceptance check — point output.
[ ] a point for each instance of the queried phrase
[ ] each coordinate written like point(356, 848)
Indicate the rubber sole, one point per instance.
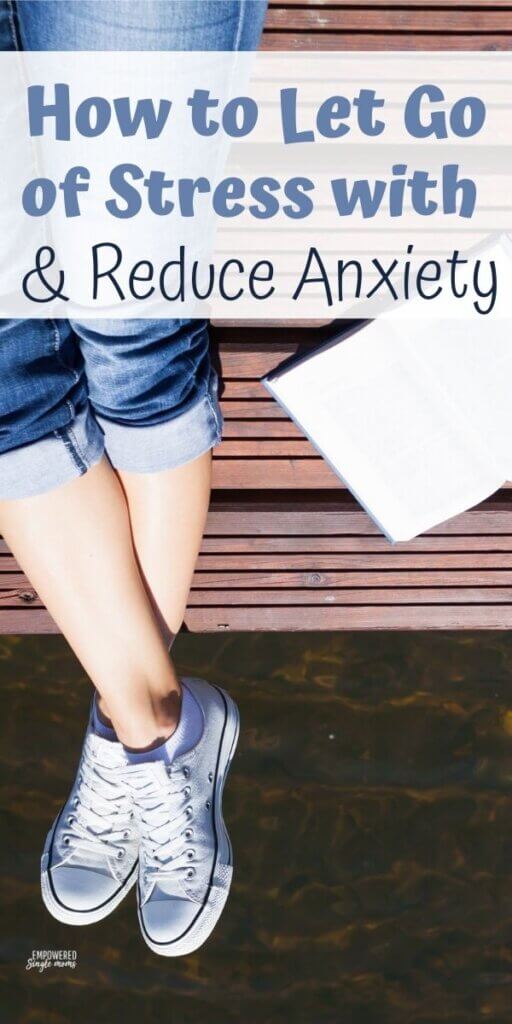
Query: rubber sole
point(214, 904)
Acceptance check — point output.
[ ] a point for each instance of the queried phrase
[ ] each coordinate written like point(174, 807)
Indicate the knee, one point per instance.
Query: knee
point(142, 330)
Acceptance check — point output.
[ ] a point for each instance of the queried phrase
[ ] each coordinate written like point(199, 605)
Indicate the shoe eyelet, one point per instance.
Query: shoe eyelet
point(70, 819)
point(189, 812)
point(189, 833)
point(191, 854)
point(186, 771)
point(127, 833)
point(187, 791)
point(66, 840)
point(190, 873)
point(210, 776)
point(120, 854)
point(208, 805)
point(76, 801)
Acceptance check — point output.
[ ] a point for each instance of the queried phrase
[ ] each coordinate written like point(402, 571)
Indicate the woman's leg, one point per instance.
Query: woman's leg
point(75, 545)
point(168, 515)
point(152, 388)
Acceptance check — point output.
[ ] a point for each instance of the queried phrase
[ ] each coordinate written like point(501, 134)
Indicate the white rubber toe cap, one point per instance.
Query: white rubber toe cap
point(83, 889)
point(166, 920)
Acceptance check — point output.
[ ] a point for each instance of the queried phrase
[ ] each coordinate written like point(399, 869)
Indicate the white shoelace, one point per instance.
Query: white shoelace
point(164, 814)
point(101, 820)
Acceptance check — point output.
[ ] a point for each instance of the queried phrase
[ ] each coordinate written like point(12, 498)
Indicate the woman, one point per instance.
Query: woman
point(106, 431)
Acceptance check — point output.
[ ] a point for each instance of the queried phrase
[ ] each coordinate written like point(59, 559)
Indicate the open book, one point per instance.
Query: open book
point(414, 415)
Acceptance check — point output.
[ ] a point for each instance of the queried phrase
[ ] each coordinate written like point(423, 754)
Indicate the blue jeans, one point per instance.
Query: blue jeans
point(143, 391)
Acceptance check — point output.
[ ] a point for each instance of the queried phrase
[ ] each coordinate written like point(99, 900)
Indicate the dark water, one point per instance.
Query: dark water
point(371, 810)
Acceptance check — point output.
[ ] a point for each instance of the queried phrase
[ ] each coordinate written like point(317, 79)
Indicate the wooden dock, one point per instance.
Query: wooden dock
point(286, 547)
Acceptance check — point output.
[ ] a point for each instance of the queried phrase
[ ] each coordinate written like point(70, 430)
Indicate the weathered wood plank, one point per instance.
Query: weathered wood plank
point(361, 545)
point(368, 4)
point(286, 473)
point(425, 18)
point(269, 429)
point(300, 598)
point(14, 600)
point(33, 621)
point(251, 410)
point(270, 474)
point(252, 362)
point(401, 617)
point(264, 448)
point(460, 617)
point(378, 596)
point(341, 517)
point(389, 561)
point(384, 41)
point(248, 580)
point(235, 389)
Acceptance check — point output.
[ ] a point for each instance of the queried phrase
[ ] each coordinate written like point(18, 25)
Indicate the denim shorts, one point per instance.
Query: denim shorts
point(142, 391)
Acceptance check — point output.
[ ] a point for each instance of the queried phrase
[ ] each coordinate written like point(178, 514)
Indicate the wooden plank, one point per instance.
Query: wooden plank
point(286, 473)
point(362, 545)
point(390, 561)
point(474, 545)
point(402, 617)
point(236, 563)
point(252, 410)
point(384, 41)
point(269, 429)
point(341, 517)
point(264, 448)
point(300, 598)
point(460, 617)
point(253, 361)
point(379, 596)
point(16, 582)
point(368, 4)
point(9, 565)
point(32, 622)
point(248, 580)
point(427, 18)
point(272, 474)
point(13, 601)
point(243, 389)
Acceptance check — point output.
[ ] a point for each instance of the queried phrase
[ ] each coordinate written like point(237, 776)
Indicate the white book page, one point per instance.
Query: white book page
point(472, 361)
point(386, 425)
point(483, 391)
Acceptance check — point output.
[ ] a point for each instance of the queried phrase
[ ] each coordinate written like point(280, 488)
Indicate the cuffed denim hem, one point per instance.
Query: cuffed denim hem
point(53, 460)
point(167, 445)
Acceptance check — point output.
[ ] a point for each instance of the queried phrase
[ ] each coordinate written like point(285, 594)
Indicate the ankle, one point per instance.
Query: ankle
point(153, 724)
point(102, 711)
point(185, 736)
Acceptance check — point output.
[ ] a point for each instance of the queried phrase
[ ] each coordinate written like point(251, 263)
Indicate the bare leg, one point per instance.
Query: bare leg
point(75, 545)
point(168, 514)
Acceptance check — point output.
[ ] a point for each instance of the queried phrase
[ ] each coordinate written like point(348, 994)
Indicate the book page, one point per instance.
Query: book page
point(385, 424)
point(473, 361)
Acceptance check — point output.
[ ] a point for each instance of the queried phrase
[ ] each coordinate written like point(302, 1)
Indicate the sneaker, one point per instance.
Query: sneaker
point(185, 856)
point(91, 852)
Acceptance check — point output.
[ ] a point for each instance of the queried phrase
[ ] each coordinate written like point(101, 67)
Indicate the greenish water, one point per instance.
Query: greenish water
point(370, 807)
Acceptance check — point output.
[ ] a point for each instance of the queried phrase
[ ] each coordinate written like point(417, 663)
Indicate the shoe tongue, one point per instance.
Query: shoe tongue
point(105, 751)
point(158, 770)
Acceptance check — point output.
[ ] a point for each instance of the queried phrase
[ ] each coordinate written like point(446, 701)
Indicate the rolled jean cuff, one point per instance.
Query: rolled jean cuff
point(53, 460)
point(166, 445)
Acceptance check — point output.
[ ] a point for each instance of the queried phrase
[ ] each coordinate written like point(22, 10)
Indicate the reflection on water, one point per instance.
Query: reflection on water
point(370, 806)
